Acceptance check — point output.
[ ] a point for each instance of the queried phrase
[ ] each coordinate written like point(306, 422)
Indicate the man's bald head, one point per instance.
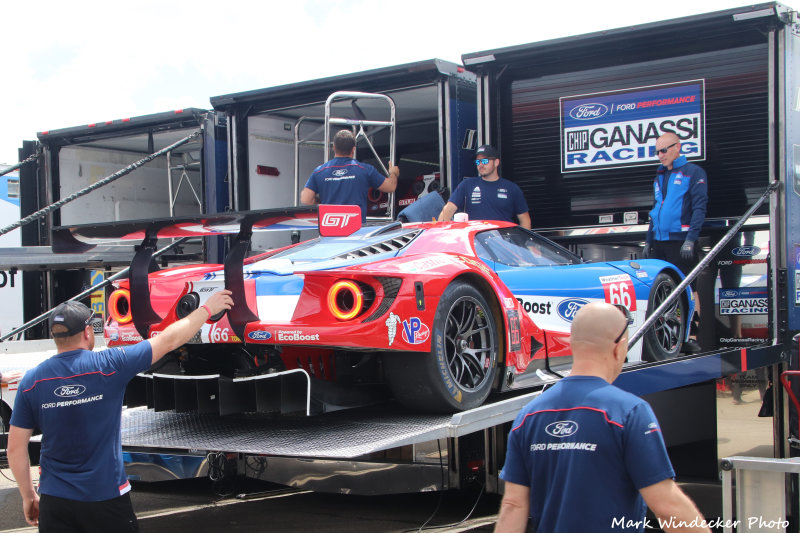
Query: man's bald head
point(595, 328)
point(672, 144)
point(667, 138)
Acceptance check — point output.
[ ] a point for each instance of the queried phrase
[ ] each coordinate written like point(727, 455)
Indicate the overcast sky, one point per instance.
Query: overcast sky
point(73, 63)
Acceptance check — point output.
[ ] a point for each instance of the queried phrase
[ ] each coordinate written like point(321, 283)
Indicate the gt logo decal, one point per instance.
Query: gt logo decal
point(619, 290)
point(414, 331)
point(339, 220)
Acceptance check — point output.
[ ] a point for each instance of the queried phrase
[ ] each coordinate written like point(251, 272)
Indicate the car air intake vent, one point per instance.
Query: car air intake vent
point(389, 245)
point(391, 286)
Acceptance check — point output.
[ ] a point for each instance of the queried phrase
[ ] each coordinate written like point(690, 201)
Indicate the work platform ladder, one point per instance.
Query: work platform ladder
point(759, 493)
point(363, 129)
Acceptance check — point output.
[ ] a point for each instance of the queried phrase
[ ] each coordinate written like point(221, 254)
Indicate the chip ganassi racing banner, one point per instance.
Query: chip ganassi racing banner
point(619, 128)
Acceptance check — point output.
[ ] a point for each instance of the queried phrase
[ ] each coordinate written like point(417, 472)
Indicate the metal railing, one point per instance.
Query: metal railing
point(700, 266)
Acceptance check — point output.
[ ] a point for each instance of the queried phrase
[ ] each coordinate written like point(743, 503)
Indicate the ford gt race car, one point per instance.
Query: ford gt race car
point(437, 314)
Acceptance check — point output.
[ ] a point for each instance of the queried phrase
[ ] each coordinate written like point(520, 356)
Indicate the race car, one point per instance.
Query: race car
point(436, 314)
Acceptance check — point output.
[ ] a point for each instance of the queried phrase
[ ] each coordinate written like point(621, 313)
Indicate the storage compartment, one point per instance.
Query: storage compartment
point(277, 135)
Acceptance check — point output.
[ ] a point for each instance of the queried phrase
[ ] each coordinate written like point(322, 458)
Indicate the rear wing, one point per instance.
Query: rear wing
point(81, 238)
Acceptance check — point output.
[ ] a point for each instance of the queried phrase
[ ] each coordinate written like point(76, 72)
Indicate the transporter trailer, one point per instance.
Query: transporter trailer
point(731, 93)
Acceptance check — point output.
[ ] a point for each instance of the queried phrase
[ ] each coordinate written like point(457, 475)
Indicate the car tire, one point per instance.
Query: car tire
point(664, 339)
point(459, 371)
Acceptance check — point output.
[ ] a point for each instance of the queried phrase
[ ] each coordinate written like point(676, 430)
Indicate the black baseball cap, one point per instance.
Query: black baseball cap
point(487, 151)
point(73, 315)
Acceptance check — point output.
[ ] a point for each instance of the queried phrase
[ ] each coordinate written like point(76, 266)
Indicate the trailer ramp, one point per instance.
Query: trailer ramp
point(342, 434)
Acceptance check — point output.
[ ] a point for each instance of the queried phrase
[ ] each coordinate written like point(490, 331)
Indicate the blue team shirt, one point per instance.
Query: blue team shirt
point(489, 200)
point(585, 448)
point(75, 399)
point(345, 181)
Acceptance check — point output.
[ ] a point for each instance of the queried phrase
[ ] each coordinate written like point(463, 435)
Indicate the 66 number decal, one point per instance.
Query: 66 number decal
point(619, 290)
point(220, 334)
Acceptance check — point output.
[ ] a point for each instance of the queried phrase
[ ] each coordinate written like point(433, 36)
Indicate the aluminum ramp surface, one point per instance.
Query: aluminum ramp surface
point(342, 434)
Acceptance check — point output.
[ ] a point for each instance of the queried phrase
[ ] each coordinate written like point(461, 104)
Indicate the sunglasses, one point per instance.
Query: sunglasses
point(89, 320)
point(665, 150)
point(484, 161)
point(628, 320)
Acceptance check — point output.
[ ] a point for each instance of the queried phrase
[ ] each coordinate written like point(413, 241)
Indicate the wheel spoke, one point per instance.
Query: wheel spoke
point(468, 343)
point(667, 327)
point(468, 317)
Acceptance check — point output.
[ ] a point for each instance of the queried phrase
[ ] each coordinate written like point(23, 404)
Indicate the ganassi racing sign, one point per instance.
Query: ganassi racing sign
point(619, 128)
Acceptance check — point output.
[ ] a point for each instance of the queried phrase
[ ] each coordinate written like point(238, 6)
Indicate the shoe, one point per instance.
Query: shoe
point(691, 346)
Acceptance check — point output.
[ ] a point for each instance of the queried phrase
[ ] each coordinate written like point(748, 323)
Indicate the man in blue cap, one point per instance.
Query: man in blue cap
point(488, 196)
point(75, 399)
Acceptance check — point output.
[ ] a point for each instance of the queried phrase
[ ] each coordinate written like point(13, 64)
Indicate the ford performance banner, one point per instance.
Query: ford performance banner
point(619, 128)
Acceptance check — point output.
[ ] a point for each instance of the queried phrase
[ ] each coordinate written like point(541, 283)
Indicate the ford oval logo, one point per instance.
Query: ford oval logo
point(588, 111)
point(562, 429)
point(567, 308)
point(730, 294)
point(259, 335)
point(339, 172)
point(746, 251)
point(69, 391)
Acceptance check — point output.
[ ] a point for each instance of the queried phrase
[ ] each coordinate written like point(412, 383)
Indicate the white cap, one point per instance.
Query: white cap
point(460, 217)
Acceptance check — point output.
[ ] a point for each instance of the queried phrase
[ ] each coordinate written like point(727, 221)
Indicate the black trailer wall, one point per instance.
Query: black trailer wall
point(526, 83)
point(32, 191)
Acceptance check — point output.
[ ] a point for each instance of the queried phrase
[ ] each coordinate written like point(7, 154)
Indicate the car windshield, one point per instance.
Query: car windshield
point(516, 246)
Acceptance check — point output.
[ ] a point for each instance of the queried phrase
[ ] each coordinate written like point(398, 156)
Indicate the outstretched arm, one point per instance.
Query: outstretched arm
point(448, 211)
point(11, 375)
point(390, 183)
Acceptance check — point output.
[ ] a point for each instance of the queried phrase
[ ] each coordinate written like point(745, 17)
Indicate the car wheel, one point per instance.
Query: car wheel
point(459, 371)
point(665, 338)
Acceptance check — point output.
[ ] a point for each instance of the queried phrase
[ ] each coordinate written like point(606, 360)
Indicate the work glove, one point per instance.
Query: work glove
point(647, 251)
point(687, 250)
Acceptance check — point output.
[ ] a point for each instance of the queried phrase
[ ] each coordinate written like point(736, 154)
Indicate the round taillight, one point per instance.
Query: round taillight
point(119, 306)
point(345, 299)
point(188, 303)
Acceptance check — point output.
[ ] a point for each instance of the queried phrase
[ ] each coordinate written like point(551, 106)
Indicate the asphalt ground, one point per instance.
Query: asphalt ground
point(195, 505)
